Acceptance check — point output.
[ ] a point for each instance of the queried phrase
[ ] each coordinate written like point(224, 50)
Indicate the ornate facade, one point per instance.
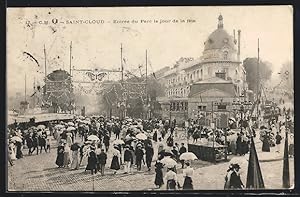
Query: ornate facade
point(216, 74)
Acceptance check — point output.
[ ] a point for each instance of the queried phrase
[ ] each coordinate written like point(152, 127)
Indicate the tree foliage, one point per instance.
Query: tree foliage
point(265, 72)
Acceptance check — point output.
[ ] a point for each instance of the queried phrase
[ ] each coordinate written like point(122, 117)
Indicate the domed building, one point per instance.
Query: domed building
point(218, 75)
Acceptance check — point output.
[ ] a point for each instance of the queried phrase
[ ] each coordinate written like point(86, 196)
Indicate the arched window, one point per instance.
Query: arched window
point(201, 73)
point(197, 74)
point(225, 55)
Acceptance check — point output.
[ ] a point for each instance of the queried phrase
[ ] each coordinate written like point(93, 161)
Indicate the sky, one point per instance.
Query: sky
point(98, 45)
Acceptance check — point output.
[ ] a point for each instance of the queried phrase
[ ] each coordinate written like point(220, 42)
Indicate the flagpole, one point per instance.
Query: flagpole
point(286, 170)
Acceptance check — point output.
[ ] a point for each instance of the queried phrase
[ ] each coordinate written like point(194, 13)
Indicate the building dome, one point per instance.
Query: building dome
point(219, 38)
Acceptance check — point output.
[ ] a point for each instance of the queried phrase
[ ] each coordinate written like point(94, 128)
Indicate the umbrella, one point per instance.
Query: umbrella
point(168, 162)
point(87, 142)
point(188, 156)
point(70, 123)
point(93, 138)
point(16, 138)
point(41, 126)
point(59, 126)
point(71, 128)
point(233, 119)
point(117, 142)
point(80, 117)
point(141, 136)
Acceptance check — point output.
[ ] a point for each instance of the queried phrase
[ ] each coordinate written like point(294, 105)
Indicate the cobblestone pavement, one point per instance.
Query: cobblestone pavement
point(39, 173)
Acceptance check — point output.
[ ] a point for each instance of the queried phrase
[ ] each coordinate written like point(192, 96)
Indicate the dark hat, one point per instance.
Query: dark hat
point(236, 166)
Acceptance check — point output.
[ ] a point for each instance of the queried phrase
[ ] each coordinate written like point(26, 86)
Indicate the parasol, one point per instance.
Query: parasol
point(87, 142)
point(188, 156)
point(141, 136)
point(93, 138)
point(59, 126)
point(232, 118)
point(168, 162)
point(118, 142)
point(71, 129)
point(70, 123)
point(41, 126)
point(16, 138)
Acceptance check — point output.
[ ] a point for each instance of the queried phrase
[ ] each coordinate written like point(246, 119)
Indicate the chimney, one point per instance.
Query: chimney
point(239, 45)
point(234, 40)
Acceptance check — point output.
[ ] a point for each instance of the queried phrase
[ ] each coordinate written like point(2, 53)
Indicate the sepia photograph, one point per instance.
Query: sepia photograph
point(154, 98)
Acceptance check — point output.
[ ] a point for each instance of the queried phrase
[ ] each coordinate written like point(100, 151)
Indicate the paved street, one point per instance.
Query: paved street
point(39, 173)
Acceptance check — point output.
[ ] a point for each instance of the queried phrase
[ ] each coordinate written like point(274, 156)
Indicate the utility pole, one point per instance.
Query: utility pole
point(122, 68)
point(71, 59)
point(146, 90)
point(45, 68)
point(25, 88)
point(258, 81)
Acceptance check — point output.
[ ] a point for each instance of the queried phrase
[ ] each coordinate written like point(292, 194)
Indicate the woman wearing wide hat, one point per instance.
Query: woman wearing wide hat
point(188, 173)
point(171, 178)
point(235, 181)
point(60, 155)
point(115, 164)
point(159, 181)
point(92, 160)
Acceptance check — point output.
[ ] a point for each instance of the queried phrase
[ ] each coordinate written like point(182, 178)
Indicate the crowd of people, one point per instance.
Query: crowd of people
point(126, 146)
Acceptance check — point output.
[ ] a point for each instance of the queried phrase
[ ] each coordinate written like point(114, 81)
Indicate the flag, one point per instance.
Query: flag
point(286, 171)
point(254, 175)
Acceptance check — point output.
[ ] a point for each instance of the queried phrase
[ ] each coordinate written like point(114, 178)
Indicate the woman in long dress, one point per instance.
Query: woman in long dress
point(159, 181)
point(171, 178)
point(115, 165)
point(188, 182)
point(67, 159)
point(19, 153)
point(60, 155)
point(92, 160)
point(75, 160)
point(13, 151)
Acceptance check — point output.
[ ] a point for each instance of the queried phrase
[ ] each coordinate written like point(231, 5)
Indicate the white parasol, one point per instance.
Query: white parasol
point(168, 162)
point(188, 156)
point(16, 138)
point(71, 124)
point(93, 138)
point(41, 126)
point(59, 126)
point(141, 136)
point(71, 129)
point(117, 142)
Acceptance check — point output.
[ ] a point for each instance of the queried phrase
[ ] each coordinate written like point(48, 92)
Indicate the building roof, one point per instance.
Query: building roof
point(224, 87)
point(219, 38)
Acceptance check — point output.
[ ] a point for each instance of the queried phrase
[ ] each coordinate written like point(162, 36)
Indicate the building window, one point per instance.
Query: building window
point(197, 74)
point(201, 74)
point(225, 55)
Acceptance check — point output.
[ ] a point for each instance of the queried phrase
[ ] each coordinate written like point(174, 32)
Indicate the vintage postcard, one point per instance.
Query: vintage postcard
point(150, 98)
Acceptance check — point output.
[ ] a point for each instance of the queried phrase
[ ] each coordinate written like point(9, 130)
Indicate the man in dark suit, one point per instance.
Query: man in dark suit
point(102, 157)
point(127, 159)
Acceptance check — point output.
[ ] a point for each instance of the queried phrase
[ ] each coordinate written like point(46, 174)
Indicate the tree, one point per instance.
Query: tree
point(265, 72)
point(286, 75)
